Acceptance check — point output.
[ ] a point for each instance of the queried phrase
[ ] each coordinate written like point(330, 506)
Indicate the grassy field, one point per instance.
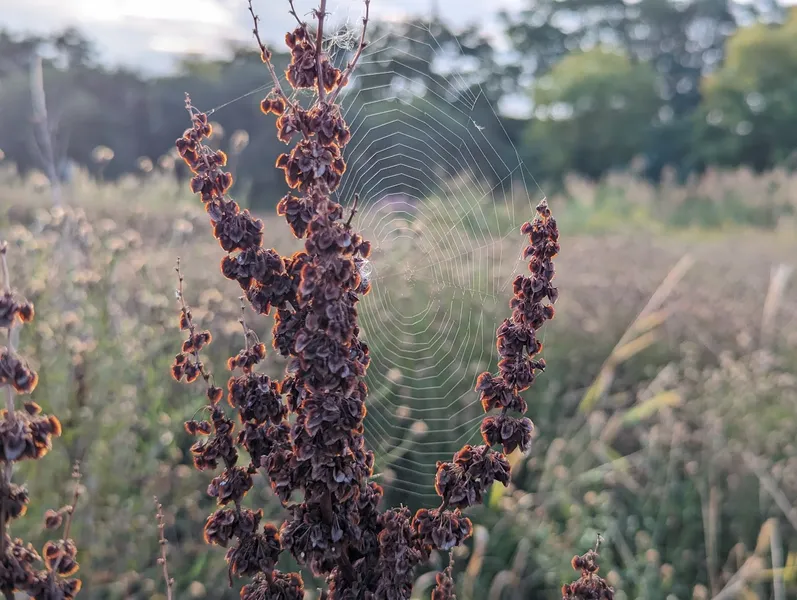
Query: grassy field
point(665, 421)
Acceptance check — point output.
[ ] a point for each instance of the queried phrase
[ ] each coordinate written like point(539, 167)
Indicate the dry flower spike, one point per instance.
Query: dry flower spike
point(27, 434)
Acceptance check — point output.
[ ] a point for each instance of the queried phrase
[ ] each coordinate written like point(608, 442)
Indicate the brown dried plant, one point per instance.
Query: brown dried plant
point(163, 559)
point(27, 435)
point(305, 432)
point(590, 585)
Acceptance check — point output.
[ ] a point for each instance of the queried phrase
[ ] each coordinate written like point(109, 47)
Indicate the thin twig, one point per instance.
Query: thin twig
point(242, 321)
point(10, 408)
point(208, 377)
point(6, 276)
point(76, 476)
point(43, 124)
point(265, 55)
point(353, 63)
point(163, 543)
point(320, 14)
point(301, 23)
point(10, 342)
point(353, 209)
point(68, 522)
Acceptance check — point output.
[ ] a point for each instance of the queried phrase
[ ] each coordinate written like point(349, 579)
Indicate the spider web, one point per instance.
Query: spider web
point(442, 206)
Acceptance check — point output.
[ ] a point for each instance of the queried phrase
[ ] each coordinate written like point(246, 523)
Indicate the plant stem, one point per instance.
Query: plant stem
point(301, 23)
point(68, 523)
point(353, 63)
point(319, 39)
point(10, 341)
point(265, 54)
point(163, 543)
point(353, 209)
point(10, 408)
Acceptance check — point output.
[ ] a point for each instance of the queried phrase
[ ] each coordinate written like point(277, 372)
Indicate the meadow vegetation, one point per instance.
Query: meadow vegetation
point(665, 419)
point(664, 408)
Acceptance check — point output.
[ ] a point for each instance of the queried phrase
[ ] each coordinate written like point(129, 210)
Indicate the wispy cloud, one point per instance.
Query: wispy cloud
point(150, 34)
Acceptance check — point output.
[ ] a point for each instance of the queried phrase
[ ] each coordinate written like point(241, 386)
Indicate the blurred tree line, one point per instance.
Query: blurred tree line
point(679, 83)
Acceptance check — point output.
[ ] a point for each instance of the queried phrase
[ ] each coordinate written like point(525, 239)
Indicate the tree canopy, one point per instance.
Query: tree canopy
point(681, 83)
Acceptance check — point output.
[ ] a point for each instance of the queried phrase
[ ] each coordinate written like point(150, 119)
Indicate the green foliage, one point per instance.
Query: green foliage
point(680, 41)
point(592, 113)
point(139, 118)
point(673, 37)
point(683, 86)
point(749, 111)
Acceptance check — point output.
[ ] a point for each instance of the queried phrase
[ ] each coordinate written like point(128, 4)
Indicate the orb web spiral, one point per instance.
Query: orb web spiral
point(442, 194)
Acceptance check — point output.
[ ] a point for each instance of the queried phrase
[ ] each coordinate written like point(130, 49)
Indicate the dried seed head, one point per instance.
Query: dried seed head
point(444, 586)
point(27, 436)
point(14, 310)
point(15, 372)
point(589, 586)
point(53, 519)
point(214, 394)
point(59, 556)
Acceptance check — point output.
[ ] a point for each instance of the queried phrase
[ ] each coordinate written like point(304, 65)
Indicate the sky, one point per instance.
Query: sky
point(149, 34)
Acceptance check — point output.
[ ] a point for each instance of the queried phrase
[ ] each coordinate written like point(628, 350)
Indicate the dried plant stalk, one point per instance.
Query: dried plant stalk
point(163, 542)
point(316, 461)
point(27, 435)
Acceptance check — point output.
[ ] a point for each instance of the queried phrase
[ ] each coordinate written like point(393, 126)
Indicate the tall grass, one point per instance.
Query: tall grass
point(674, 442)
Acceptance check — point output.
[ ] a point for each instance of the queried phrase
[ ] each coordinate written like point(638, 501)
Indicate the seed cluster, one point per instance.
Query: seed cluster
point(252, 550)
point(303, 70)
point(590, 586)
point(27, 435)
point(444, 586)
point(13, 370)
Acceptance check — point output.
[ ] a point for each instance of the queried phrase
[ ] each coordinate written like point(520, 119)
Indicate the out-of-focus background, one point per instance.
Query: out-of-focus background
point(664, 134)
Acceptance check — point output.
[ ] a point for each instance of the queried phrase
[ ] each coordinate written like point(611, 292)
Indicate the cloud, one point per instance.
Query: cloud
point(152, 34)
